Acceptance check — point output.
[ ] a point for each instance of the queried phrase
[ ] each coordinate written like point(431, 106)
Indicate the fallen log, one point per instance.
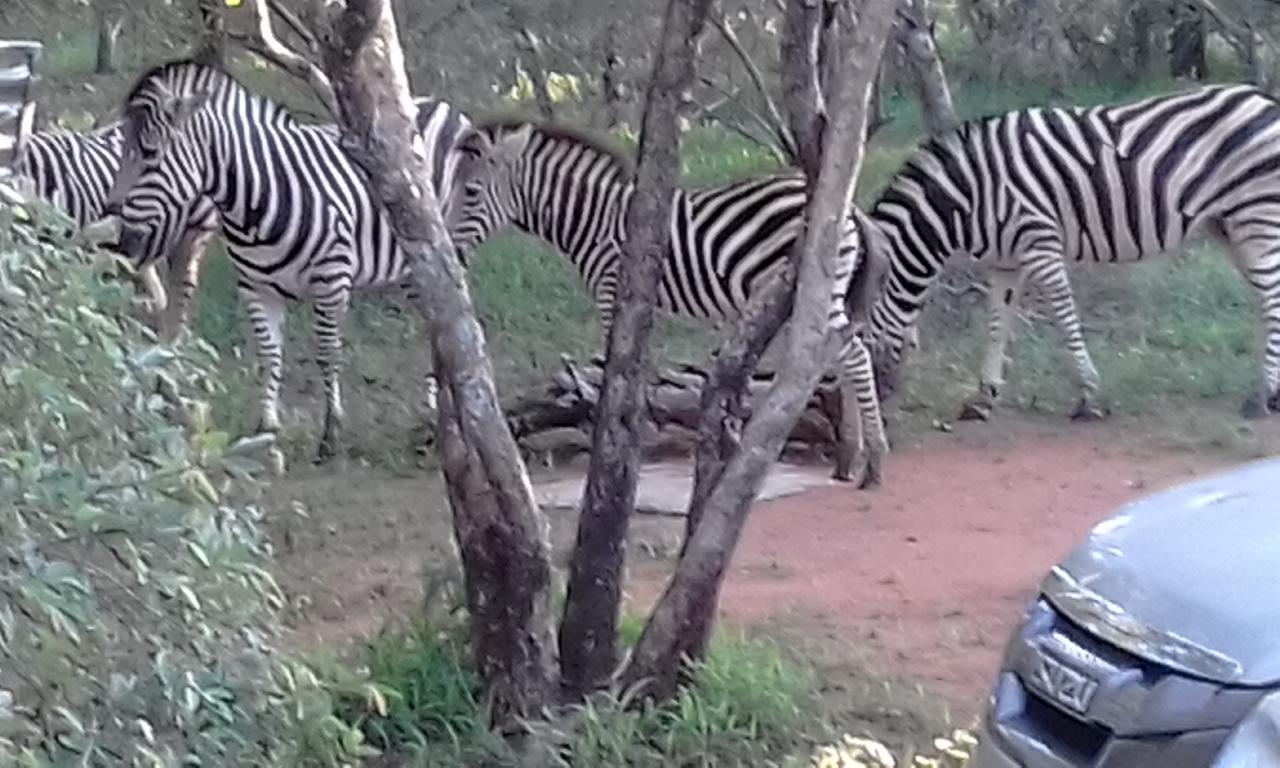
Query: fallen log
point(560, 413)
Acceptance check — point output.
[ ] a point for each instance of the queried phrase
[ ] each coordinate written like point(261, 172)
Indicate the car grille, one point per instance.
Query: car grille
point(1067, 700)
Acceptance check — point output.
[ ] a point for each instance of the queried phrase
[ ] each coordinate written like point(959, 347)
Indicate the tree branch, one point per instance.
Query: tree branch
point(287, 59)
point(774, 123)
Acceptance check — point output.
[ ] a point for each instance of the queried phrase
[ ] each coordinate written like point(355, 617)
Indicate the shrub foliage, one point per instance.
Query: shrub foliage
point(137, 604)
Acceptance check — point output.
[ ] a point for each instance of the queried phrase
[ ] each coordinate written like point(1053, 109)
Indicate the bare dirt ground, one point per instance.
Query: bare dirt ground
point(919, 581)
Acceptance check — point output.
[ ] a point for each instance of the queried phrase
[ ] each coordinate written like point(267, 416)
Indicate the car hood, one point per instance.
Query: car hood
point(1188, 578)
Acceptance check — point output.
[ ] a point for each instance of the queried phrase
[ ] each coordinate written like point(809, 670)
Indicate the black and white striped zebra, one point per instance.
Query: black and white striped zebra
point(727, 242)
point(1027, 192)
point(297, 216)
point(74, 172)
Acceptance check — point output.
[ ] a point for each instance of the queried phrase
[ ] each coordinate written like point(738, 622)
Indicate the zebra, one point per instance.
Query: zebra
point(299, 221)
point(1027, 191)
point(728, 242)
point(74, 171)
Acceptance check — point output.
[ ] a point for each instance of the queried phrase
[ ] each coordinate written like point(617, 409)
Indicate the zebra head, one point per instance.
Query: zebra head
point(162, 167)
point(486, 184)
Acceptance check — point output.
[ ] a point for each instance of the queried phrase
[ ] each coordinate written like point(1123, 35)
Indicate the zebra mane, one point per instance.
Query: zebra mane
point(171, 71)
point(189, 75)
point(561, 133)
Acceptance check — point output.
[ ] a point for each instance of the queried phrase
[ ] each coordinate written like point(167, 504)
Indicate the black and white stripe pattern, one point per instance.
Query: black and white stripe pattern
point(296, 213)
point(728, 241)
point(75, 171)
point(1026, 192)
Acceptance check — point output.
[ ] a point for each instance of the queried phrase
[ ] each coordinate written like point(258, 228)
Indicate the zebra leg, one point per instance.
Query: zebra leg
point(267, 313)
point(1003, 297)
point(857, 383)
point(329, 315)
point(1049, 274)
point(184, 276)
point(1257, 256)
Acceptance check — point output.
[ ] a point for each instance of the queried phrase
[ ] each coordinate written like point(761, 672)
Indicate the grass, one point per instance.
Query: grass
point(747, 702)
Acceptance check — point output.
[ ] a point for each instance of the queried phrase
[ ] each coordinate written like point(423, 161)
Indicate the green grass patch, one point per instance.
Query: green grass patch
point(747, 702)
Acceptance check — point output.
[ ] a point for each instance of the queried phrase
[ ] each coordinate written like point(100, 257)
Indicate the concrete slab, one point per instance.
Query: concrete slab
point(664, 487)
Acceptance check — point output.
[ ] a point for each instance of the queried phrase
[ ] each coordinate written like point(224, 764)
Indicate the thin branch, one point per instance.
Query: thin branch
point(776, 123)
point(289, 60)
point(784, 152)
point(294, 23)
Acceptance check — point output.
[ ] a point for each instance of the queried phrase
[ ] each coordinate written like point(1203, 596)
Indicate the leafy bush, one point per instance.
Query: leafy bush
point(137, 604)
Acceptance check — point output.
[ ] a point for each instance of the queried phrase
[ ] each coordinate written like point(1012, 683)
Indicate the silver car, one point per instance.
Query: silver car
point(1156, 642)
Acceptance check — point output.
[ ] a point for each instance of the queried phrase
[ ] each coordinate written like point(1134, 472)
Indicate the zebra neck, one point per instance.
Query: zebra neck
point(584, 222)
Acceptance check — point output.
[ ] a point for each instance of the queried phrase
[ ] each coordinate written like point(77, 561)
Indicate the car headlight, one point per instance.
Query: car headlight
point(1256, 740)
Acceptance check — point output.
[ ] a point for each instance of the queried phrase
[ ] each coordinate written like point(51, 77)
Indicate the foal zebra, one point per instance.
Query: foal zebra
point(74, 172)
point(1026, 191)
point(296, 213)
point(727, 242)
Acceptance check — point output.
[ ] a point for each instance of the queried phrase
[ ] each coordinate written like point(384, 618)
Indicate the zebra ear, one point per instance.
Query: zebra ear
point(473, 144)
point(510, 147)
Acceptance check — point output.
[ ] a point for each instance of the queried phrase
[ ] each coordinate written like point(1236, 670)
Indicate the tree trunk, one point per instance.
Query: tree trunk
point(928, 77)
point(588, 635)
point(610, 79)
point(680, 626)
point(1186, 44)
point(501, 534)
point(1142, 19)
point(212, 46)
point(108, 36)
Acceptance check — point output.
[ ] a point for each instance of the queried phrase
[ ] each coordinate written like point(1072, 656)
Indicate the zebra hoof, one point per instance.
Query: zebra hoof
point(1257, 406)
point(1087, 410)
point(328, 449)
point(845, 456)
point(872, 474)
point(976, 410)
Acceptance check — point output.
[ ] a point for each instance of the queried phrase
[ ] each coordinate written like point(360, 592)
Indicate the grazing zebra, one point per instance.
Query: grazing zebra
point(74, 172)
point(1027, 191)
point(296, 213)
point(727, 242)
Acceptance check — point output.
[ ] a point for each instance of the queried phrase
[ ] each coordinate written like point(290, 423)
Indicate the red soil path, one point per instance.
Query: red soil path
point(931, 572)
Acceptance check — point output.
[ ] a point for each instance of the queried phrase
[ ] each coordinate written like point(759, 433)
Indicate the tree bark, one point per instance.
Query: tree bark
point(212, 46)
point(914, 37)
point(1142, 19)
point(1186, 44)
point(502, 535)
point(610, 78)
point(588, 634)
point(680, 626)
point(108, 35)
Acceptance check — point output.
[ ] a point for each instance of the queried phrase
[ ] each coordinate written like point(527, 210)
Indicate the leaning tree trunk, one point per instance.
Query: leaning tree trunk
point(737, 462)
point(1187, 43)
point(501, 534)
point(588, 634)
point(108, 35)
